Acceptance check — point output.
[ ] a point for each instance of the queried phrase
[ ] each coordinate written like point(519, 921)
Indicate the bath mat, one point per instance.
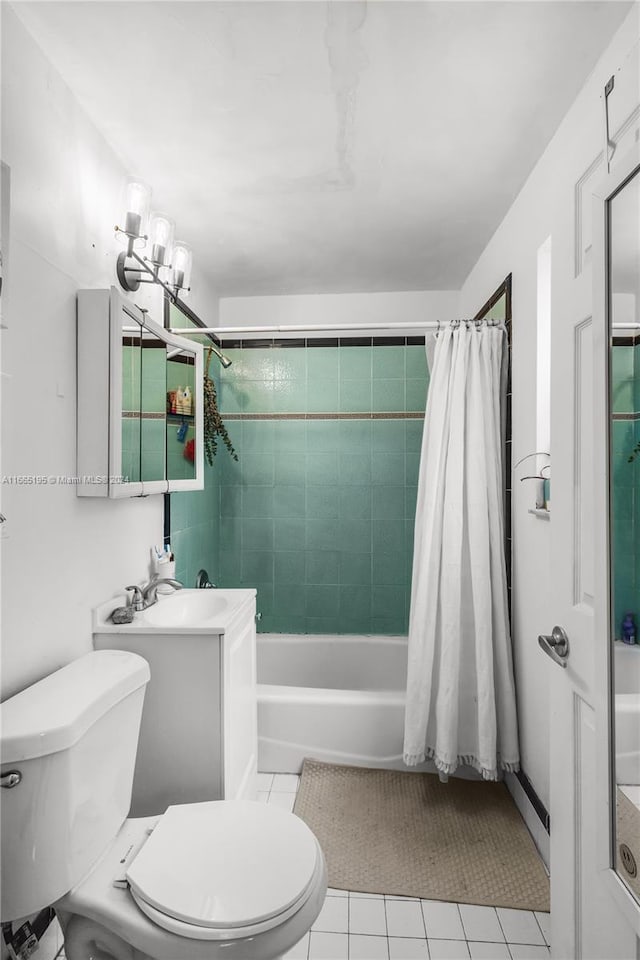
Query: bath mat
point(407, 834)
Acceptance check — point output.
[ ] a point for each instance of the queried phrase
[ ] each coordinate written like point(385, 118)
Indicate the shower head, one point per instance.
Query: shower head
point(221, 357)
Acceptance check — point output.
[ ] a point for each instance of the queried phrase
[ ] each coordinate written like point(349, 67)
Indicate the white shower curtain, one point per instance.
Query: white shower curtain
point(460, 691)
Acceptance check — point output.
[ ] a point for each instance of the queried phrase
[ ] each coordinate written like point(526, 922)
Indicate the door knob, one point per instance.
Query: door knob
point(556, 646)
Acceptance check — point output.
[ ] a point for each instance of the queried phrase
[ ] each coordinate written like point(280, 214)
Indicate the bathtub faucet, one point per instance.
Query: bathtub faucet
point(203, 582)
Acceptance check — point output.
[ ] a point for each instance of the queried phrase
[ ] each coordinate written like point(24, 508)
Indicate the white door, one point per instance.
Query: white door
point(586, 920)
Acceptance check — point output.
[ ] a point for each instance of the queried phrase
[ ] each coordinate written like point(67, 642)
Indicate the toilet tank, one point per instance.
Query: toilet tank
point(71, 739)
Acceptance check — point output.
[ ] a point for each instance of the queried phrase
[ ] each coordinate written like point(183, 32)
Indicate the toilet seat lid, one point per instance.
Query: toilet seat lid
point(225, 864)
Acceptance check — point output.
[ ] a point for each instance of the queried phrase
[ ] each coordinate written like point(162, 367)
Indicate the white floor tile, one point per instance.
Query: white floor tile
point(367, 916)
point(333, 892)
point(262, 796)
point(520, 926)
point(404, 918)
point(264, 781)
point(442, 920)
point(392, 896)
point(300, 951)
point(369, 896)
point(408, 948)
point(285, 800)
point(334, 916)
point(448, 950)
point(544, 919)
point(328, 946)
point(285, 782)
point(362, 947)
point(481, 950)
point(481, 923)
point(527, 951)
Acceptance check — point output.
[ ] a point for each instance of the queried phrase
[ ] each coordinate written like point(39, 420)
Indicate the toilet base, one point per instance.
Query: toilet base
point(84, 938)
point(103, 922)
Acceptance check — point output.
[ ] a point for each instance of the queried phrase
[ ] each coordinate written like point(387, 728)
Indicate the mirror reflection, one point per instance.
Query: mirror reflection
point(153, 406)
point(158, 432)
point(624, 287)
point(131, 409)
point(180, 430)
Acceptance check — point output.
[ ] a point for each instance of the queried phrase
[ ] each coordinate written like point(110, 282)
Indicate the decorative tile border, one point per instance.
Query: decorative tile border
point(626, 416)
point(303, 342)
point(391, 415)
point(633, 340)
point(137, 415)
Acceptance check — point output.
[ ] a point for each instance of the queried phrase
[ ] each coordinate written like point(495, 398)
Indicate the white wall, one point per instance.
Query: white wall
point(63, 554)
point(546, 206)
point(311, 310)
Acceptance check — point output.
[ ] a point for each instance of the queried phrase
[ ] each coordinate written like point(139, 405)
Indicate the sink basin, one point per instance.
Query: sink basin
point(187, 608)
point(185, 612)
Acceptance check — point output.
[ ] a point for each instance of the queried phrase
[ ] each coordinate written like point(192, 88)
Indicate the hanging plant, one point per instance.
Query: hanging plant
point(213, 424)
point(634, 453)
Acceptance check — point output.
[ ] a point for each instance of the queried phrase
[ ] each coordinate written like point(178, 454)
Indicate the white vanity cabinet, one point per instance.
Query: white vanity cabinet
point(198, 737)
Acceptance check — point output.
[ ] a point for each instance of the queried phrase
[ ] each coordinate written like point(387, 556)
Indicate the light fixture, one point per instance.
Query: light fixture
point(137, 197)
point(158, 240)
point(181, 268)
point(161, 230)
point(155, 232)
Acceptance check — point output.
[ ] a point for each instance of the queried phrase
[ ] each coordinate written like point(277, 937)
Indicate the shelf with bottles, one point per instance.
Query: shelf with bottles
point(179, 417)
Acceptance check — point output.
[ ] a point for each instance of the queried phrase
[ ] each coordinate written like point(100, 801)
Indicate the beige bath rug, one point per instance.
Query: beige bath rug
point(387, 831)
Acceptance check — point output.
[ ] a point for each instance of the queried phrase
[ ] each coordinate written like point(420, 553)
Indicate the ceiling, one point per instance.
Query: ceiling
point(312, 147)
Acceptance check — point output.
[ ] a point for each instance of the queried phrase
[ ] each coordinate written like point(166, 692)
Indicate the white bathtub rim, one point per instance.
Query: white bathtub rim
point(393, 638)
point(281, 693)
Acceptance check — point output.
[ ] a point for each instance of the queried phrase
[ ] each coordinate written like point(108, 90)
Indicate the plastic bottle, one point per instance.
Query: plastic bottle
point(628, 629)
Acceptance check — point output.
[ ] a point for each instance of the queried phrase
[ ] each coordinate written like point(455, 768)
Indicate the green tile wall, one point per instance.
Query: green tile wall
point(318, 514)
point(625, 434)
point(195, 529)
point(131, 450)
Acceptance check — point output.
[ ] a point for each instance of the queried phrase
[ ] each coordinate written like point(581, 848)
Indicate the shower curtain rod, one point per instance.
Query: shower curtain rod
point(321, 327)
point(336, 327)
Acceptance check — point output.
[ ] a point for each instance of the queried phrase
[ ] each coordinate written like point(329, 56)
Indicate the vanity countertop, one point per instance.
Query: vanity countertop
point(184, 612)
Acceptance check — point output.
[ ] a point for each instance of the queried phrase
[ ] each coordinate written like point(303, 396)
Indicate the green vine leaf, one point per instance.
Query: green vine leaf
point(213, 423)
point(634, 453)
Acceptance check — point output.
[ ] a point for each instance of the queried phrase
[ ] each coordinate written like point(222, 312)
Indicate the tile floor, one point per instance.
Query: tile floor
point(362, 926)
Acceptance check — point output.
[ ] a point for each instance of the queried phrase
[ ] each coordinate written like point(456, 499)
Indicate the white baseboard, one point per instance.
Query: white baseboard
point(530, 817)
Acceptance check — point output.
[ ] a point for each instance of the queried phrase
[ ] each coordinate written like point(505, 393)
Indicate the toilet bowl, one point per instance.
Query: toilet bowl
point(234, 879)
point(231, 879)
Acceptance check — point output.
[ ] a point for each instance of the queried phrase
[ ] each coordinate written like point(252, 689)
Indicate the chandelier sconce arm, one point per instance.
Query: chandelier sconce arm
point(147, 271)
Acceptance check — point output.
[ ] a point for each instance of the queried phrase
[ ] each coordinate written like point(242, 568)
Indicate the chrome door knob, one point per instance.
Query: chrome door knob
point(556, 646)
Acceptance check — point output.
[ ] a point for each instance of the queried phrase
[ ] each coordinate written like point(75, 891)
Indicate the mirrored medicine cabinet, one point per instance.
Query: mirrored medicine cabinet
point(140, 402)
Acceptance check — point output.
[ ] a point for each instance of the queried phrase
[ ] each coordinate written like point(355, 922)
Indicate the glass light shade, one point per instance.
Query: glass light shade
point(137, 200)
point(161, 229)
point(181, 262)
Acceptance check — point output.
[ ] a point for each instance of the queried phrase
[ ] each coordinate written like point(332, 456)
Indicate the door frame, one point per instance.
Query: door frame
point(624, 170)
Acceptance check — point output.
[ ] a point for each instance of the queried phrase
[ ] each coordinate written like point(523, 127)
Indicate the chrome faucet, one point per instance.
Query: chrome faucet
point(146, 596)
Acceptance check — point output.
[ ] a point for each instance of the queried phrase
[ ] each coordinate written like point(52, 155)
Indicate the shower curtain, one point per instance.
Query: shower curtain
point(460, 691)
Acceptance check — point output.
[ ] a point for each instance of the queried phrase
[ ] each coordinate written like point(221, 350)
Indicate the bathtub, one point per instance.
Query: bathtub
point(627, 712)
point(334, 698)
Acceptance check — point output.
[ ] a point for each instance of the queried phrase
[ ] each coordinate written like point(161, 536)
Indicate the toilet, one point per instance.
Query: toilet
point(229, 879)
